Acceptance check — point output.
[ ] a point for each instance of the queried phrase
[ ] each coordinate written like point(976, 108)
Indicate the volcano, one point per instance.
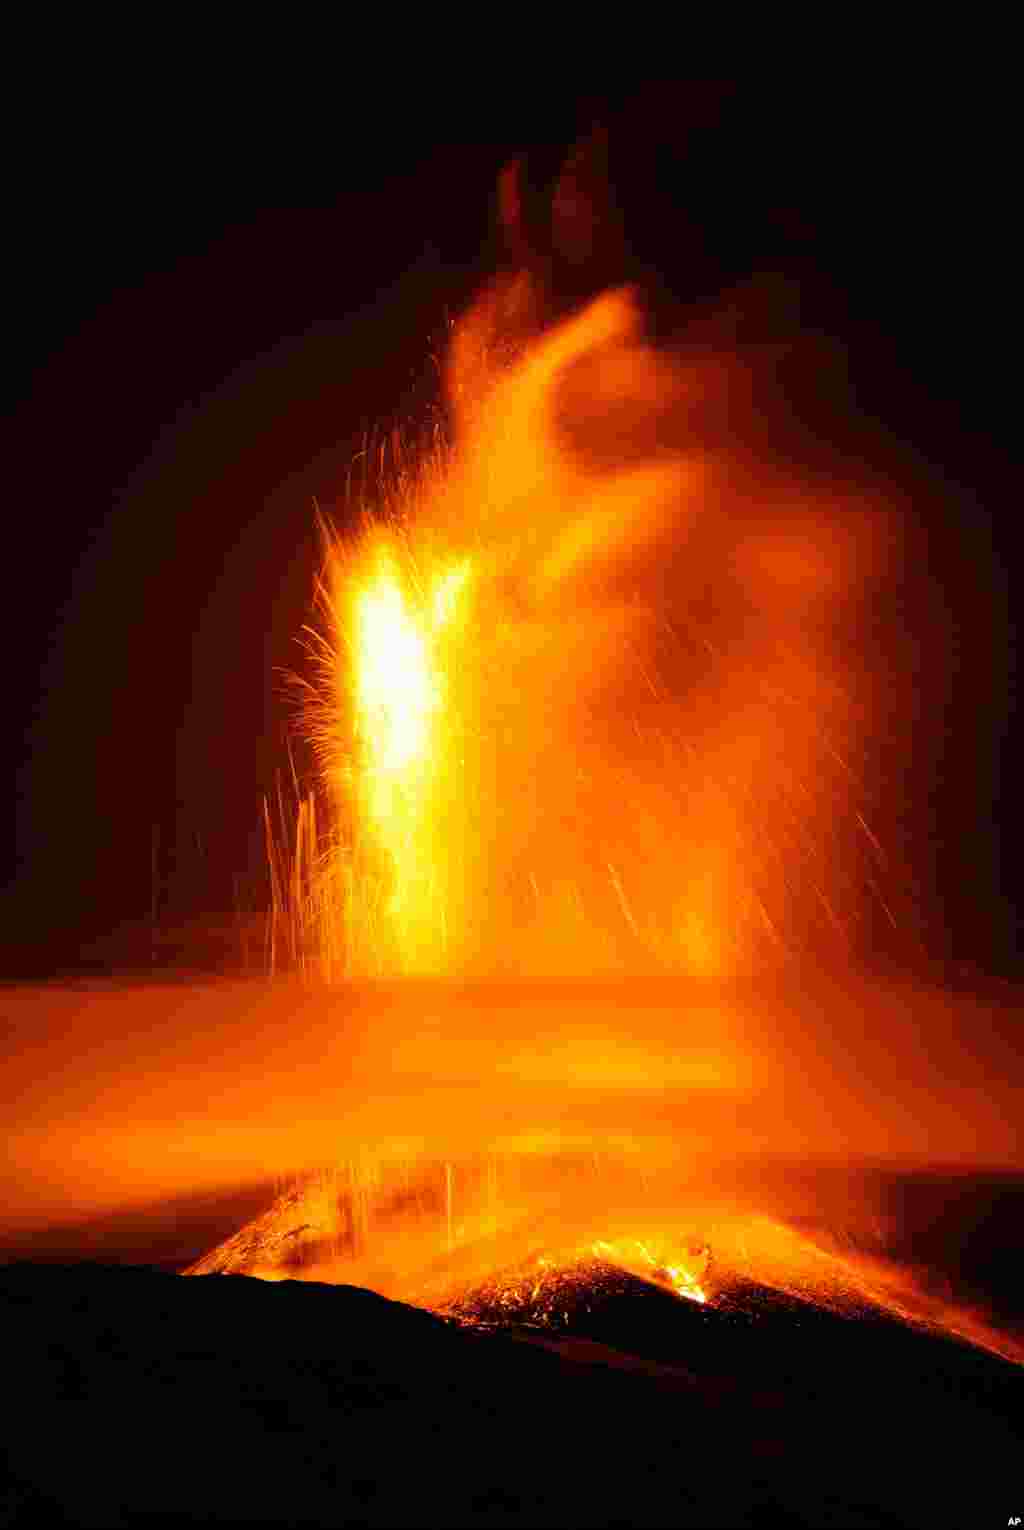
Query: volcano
point(542, 1264)
point(591, 1121)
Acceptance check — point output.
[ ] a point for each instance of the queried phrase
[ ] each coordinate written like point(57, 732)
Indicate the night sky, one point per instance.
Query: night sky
point(211, 298)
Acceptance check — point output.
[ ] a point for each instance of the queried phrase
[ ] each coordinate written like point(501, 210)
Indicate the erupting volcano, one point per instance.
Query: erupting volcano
point(578, 1030)
point(593, 700)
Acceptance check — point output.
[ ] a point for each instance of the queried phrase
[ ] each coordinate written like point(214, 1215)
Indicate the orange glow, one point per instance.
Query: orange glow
point(467, 1127)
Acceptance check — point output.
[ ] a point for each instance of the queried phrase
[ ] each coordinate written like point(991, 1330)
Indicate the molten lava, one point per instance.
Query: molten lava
point(403, 731)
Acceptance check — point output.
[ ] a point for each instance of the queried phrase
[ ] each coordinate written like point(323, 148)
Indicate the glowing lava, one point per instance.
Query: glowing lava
point(404, 746)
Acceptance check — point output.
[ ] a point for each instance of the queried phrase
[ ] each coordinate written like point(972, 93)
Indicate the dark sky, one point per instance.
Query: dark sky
point(208, 306)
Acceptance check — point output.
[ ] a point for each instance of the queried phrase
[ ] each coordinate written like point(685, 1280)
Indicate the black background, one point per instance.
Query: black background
point(216, 285)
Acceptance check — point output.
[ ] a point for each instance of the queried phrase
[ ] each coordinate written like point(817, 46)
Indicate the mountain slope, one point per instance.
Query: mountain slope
point(140, 1397)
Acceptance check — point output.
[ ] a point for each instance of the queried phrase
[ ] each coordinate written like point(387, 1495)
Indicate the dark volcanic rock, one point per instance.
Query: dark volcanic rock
point(139, 1397)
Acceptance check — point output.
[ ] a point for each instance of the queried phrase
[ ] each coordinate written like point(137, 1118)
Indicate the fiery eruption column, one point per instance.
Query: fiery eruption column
point(582, 715)
point(405, 763)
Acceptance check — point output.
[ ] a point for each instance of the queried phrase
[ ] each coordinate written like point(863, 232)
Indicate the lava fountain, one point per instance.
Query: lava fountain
point(589, 703)
point(597, 700)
